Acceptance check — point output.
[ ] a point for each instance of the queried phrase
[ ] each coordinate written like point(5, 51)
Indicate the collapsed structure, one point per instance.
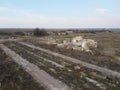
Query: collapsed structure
point(79, 43)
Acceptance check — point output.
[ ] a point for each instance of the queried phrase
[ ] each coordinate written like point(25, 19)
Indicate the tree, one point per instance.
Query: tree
point(36, 32)
point(40, 32)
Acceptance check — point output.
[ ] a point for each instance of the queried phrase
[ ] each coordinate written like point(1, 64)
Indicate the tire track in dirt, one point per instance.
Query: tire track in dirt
point(39, 75)
point(105, 71)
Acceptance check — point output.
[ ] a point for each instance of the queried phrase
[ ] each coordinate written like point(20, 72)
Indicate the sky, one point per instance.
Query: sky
point(60, 13)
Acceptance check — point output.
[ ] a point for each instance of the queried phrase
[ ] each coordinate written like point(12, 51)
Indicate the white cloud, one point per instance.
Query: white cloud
point(101, 10)
point(6, 9)
point(3, 9)
point(22, 18)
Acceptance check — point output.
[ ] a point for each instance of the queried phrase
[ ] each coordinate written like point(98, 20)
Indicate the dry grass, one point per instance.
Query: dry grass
point(13, 77)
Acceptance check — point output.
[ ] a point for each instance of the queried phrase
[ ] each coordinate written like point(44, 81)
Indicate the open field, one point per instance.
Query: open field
point(108, 49)
point(63, 70)
point(74, 75)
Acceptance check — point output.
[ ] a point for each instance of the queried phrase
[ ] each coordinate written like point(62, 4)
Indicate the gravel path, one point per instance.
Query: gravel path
point(91, 66)
point(39, 75)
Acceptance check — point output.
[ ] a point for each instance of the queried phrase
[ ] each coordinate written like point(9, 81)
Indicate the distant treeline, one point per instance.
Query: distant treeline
point(35, 32)
point(12, 33)
point(90, 31)
point(44, 32)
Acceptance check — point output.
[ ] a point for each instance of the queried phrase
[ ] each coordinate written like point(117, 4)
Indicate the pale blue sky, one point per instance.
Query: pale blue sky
point(60, 13)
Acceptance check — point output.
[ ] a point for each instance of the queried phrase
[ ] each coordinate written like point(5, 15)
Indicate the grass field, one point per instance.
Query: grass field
point(82, 78)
